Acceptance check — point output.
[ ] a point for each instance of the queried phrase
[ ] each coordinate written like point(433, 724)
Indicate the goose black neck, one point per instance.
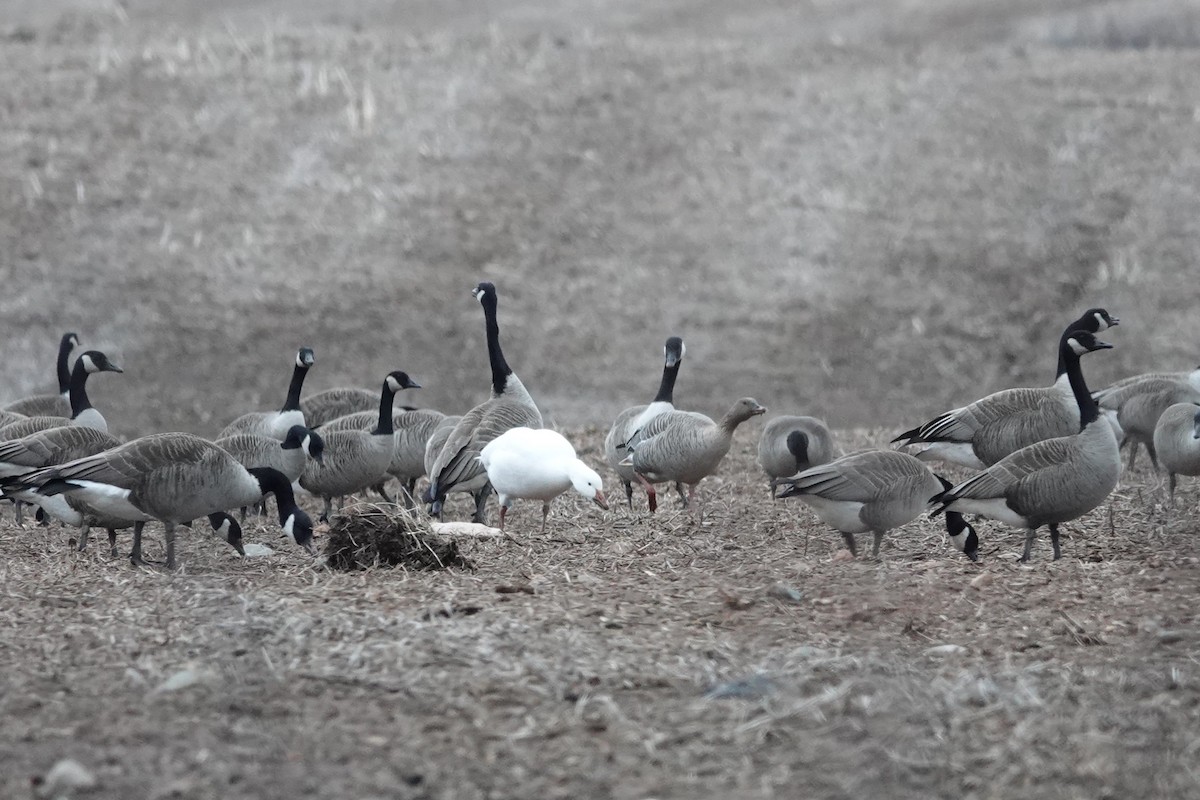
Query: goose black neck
point(272, 481)
point(500, 368)
point(64, 363)
point(666, 389)
point(797, 445)
point(384, 427)
point(78, 389)
point(293, 396)
point(1089, 412)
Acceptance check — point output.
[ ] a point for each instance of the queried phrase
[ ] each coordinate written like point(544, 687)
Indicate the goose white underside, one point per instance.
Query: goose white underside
point(995, 508)
point(56, 506)
point(108, 500)
point(844, 515)
point(959, 453)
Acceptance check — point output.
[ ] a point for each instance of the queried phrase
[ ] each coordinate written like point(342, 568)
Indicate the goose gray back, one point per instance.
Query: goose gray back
point(987, 430)
point(331, 404)
point(873, 491)
point(1051, 481)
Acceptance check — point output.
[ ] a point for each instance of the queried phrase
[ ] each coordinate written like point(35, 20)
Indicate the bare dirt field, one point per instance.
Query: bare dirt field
point(867, 211)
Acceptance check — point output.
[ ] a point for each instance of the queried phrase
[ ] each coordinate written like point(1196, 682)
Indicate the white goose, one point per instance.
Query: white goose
point(529, 464)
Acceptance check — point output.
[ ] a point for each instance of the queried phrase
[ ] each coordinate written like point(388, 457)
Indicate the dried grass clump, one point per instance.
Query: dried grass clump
point(368, 535)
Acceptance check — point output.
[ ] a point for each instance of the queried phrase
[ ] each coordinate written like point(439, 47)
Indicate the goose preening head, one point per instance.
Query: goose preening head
point(629, 423)
point(792, 444)
point(277, 423)
point(457, 466)
point(873, 491)
point(1051, 481)
point(524, 463)
point(171, 477)
point(985, 431)
point(354, 460)
point(52, 405)
point(1177, 440)
point(686, 447)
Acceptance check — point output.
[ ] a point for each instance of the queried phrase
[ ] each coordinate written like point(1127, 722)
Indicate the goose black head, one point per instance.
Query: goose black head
point(228, 527)
point(1081, 342)
point(962, 535)
point(797, 445)
point(673, 351)
point(299, 528)
point(306, 439)
point(69, 340)
point(1196, 425)
point(484, 290)
point(1095, 320)
point(399, 379)
point(94, 361)
point(305, 357)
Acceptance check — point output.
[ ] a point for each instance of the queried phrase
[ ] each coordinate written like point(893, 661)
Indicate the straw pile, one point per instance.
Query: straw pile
point(372, 535)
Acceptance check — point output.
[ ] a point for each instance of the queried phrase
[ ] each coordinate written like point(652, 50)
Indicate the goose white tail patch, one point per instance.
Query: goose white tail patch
point(994, 508)
point(108, 499)
point(952, 452)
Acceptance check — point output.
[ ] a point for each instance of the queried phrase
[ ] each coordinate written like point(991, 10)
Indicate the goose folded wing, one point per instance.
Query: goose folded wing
point(1036, 461)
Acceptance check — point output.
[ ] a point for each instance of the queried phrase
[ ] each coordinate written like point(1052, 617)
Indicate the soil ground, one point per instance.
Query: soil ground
point(865, 211)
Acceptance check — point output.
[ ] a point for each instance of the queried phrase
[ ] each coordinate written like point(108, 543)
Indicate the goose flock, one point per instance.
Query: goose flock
point(1040, 456)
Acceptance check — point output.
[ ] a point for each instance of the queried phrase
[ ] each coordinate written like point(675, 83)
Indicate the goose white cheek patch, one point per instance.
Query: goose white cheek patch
point(288, 524)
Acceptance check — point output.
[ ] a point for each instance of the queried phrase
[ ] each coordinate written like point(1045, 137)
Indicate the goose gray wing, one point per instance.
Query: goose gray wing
point(863, 477)
point(962, 424)
point(55, 446)
point(458, 462)
point(1009, 473)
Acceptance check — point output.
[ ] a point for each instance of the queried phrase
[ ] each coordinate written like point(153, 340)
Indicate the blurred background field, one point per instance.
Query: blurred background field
point(867, 211)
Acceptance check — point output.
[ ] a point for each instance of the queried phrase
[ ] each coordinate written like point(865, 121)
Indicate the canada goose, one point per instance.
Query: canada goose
point(171, 477)
point(333, 403)
point(45, 448)
point(1051, 481)
point(791, 444)
point(1109, 398)
point(982, 433)
point(355, 460)
point(52, 405)
point(686, 447)
point(1138, 413)
point(630, 421)
point(412, 432)
point(1177, 440)
point(1134, 407)
point(457, 466)
point(276, 424)
point(529, 464)
point(82, 411)
point(288, 456)
point(876, 491)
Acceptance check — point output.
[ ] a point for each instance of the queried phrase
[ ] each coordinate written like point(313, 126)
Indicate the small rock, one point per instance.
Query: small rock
point(65, 776)
point(783, 591)
point(257, 550)
point(945, 650)
point(843, 555)
point(180, 680)
point(982, 579)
